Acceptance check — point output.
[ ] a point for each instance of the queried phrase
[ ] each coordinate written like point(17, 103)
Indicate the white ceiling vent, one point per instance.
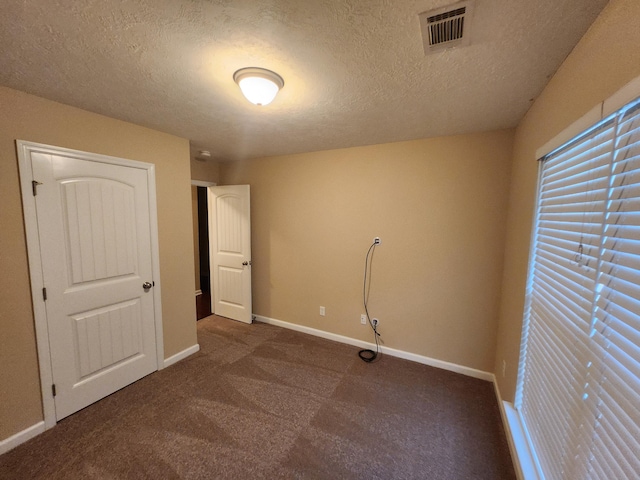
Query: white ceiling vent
point(446, 27)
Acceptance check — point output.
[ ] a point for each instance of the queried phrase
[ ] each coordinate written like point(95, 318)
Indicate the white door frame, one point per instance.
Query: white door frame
point(35, 261)
point(205, 184)
point(202, 183)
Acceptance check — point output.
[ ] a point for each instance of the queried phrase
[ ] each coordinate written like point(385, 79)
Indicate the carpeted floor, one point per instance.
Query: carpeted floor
point(261, 402)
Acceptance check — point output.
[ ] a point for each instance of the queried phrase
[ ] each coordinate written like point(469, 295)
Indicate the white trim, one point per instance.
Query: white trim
point(24, 149)
point(625, 95)
point(198, 293)
point(602, 110)
point(452, 367)
point(202, 183)
point(521, 452)
point(525, 324)
point(155, 264)
point(21, 437)
point(589, 119)
point(37, 283)
point(181, 355)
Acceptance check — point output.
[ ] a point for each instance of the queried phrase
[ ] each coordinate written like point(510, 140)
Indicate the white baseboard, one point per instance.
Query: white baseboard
point(521, 453)
point(471, 372)
point(21, 437)
point(181, 355)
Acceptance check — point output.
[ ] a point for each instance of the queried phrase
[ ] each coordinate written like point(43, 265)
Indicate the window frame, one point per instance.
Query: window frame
point(602, 113)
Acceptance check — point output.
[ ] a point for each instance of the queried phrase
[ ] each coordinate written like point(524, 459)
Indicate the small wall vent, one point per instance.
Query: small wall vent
point(446, 27)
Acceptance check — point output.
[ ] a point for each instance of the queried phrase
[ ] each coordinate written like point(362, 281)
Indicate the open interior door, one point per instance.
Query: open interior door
point(230, 246)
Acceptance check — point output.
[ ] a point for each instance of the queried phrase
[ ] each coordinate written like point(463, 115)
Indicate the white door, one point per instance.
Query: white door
point(230, 246)
point(95, 244)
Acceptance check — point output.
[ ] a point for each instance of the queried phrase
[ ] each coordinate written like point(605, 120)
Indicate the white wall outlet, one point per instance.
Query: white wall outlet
point(375, 322)
point(377, 241)
point(322, 311)
point(363, 319)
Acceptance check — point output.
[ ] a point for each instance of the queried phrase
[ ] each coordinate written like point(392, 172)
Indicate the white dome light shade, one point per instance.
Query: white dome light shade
point(259, 85)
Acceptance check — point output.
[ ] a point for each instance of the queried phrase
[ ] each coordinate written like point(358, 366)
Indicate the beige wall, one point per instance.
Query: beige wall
point(606, 59)
point(205, 170)
point(439, 206)
point(30, 118)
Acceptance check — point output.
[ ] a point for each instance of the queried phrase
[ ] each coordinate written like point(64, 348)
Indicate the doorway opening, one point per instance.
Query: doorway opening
point(222, 250)
point(201, 250)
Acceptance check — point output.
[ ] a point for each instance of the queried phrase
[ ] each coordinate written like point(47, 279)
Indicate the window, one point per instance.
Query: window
point(579, 383)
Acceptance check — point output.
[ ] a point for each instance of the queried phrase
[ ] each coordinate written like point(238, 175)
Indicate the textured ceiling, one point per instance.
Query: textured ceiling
point(355, 71)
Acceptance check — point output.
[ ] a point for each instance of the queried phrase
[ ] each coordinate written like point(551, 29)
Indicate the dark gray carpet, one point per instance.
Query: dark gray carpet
point(259, 402)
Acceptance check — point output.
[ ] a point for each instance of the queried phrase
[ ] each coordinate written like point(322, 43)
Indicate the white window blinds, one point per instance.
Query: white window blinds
point(579, 385)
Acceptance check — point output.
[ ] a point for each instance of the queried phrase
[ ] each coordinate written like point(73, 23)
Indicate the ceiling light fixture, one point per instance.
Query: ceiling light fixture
point(259, 85)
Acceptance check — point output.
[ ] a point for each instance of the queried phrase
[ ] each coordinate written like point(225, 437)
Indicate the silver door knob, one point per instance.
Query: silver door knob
point(147, 286)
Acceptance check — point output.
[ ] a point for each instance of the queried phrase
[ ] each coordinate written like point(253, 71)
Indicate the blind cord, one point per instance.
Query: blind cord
point(366, 354)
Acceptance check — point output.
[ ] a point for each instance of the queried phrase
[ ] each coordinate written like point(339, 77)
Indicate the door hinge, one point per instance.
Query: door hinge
point(44, 294)
point(53, 389)
point(34, 187)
